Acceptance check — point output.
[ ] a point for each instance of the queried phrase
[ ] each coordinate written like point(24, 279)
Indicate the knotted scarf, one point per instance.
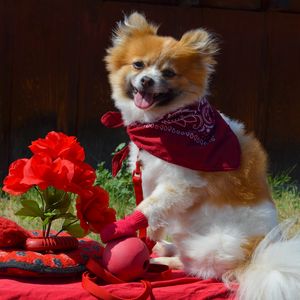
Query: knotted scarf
point(194, 137)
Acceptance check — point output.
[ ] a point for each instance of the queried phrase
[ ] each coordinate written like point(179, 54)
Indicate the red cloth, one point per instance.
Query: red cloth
point(11, 289)
point(195, 137)
point(11, 234)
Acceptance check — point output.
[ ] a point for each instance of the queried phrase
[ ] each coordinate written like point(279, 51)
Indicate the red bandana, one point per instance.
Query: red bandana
point(195, 137)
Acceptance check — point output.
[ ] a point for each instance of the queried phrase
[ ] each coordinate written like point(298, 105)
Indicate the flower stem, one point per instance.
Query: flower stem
point(44, 230)
point(64, 227)
point(49, 227)
point(43, 208)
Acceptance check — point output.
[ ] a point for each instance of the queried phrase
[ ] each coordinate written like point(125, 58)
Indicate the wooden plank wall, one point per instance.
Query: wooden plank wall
point(52, 75)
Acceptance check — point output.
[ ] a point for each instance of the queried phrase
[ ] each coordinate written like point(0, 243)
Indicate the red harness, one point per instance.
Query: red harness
point(138, 191)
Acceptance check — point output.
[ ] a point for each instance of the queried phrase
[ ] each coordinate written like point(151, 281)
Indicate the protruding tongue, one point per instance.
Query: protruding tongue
point(143, 100)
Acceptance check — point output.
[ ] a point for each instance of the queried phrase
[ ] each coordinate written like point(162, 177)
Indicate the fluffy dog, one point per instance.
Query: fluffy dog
point(208, 191)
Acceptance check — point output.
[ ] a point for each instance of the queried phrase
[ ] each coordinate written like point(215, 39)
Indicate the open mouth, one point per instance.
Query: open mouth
point(145, 100)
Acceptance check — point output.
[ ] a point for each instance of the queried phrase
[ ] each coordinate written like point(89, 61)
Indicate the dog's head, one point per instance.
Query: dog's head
point(151, 75)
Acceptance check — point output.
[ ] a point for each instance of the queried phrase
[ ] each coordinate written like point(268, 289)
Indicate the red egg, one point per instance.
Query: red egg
point(126, 258)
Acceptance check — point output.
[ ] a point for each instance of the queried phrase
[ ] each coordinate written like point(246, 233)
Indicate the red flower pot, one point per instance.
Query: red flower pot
point(55, 243)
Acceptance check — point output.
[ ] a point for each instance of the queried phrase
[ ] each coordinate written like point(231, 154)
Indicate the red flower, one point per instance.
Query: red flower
point(43, 171)
point(84, 177)
point(57, 144)
point(13, 181)
point(93, 211)
point(57, 161)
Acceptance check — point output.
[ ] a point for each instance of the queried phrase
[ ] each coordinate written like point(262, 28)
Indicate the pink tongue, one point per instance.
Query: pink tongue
point(143, 101)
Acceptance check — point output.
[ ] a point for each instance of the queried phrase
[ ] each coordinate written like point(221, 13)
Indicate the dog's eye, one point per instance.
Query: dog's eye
point(168, 73)
point(138, 65)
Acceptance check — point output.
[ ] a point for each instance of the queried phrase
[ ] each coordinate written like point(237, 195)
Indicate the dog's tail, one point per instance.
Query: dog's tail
point(274, 270)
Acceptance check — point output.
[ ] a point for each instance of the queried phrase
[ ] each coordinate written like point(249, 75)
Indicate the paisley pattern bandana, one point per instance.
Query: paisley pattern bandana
point(194, 137)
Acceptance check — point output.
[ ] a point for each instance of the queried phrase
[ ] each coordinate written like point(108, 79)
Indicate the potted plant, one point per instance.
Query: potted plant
point(57, 176)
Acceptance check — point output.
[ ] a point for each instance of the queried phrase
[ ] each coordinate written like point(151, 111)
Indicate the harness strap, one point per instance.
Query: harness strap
point(90, 281)
point(138, 191)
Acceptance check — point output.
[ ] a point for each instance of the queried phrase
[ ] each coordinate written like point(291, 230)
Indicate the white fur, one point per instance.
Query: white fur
point(166, 188)
point(213, 244)
point(274, 272)
point(165, 249)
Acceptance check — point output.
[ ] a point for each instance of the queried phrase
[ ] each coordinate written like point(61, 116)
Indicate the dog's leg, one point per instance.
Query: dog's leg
point(156, 211)
point(165, 249)
point(166, 201)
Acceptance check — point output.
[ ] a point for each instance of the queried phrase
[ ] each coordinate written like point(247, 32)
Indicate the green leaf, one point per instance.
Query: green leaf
point(31, 207)
point(68, 220)
point(68, 217)
point(64, 204)
point(76, 230)
point(50, 214)
point(26, 212)
point(57, 199)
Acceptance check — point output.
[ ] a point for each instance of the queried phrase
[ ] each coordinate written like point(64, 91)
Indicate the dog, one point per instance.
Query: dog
point(204, 177)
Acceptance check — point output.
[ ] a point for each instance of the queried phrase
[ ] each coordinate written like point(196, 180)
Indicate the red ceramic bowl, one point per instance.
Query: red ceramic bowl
point(56, 243)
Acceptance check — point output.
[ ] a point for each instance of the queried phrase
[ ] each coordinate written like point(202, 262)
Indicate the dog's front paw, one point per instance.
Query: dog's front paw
point(165, 248)
point(124, 227)
point(116, 230)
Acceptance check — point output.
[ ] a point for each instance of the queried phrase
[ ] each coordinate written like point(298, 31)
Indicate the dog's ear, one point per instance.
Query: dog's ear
point(133, 24)
point(199, 40)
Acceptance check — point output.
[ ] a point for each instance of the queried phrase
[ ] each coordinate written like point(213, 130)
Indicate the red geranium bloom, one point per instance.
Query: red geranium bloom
point(57, 144)
point(41, 170)
point(13, 181)
point(93, 211)
point(62, 174)
point(84, 177)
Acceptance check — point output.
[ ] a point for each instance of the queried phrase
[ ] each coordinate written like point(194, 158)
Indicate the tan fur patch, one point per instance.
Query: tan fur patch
point(244, 186)
point(248, 248)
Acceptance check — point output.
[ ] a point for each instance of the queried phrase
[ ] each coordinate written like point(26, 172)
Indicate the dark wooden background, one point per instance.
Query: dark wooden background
point(52, 75)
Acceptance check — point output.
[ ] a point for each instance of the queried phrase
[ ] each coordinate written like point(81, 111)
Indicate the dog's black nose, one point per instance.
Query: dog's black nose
point(147, 81)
